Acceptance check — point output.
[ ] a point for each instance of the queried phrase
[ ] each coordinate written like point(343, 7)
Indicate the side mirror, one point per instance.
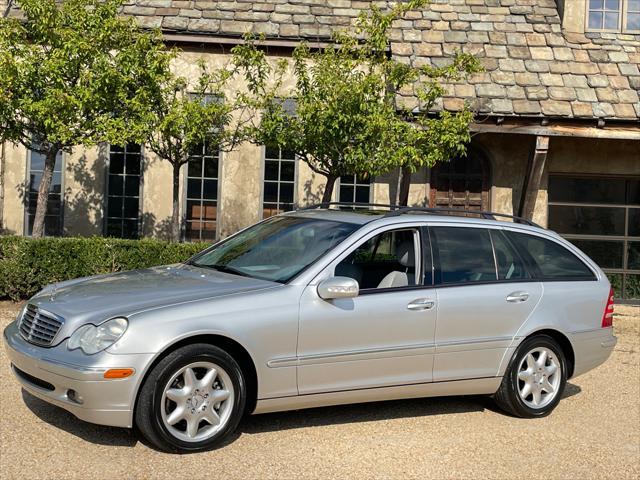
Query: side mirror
point(338, 287)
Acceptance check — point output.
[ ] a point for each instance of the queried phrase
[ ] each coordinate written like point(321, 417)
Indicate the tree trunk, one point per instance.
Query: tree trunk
point(405, 183)
point(396, 197)
point(328, 190)
point(43, 192)
point(175, 217)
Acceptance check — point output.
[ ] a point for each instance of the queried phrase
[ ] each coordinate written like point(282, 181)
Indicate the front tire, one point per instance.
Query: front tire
point(191, 400)
point(535, 379)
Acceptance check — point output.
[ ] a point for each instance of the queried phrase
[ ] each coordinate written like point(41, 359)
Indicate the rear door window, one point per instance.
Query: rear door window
point(464, 255)
point(552, 260)
point(510, 265)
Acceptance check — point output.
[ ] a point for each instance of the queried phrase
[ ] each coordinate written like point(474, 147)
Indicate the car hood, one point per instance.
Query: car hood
point(95, 299)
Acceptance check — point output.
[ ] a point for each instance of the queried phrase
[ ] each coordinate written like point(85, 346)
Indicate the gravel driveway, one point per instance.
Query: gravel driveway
point(594, 433)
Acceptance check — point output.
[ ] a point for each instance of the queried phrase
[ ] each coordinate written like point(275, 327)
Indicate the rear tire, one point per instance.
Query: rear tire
point(191, 400)
point(535, 378)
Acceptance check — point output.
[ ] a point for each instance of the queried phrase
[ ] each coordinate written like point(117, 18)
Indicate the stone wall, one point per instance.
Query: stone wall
point(14, 189)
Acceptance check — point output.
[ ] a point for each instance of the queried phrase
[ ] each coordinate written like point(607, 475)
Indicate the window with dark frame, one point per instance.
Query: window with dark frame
point(123, 191)
point(354, 189)
point(53, 216)
point(279, 181)
point(601, 216)
point(203, 170)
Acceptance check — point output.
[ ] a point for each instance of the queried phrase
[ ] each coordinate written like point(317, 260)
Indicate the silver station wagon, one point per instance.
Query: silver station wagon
point(323, 306)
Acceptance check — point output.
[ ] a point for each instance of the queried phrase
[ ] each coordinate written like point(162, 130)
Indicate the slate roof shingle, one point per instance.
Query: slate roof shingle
point(532, 67)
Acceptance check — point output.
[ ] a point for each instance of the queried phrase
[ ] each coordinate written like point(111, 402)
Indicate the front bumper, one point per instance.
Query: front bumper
point(54, 374)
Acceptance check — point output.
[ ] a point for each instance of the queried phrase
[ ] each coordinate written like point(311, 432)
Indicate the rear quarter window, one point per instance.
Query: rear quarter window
point(552, 260)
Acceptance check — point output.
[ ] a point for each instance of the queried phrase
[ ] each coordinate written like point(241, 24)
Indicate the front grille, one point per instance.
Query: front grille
point(38, 326)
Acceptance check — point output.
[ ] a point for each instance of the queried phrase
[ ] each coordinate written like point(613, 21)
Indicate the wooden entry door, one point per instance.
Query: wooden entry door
point(462, 183)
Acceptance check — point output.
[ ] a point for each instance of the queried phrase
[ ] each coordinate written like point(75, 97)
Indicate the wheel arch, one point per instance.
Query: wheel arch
point(232, 347)
point(565, 345)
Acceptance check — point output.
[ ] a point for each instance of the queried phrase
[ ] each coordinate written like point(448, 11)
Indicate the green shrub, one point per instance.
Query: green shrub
point(27, 265)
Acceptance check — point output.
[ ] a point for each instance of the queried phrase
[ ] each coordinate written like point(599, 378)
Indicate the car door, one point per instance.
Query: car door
point(484, 293)
point(382, 337)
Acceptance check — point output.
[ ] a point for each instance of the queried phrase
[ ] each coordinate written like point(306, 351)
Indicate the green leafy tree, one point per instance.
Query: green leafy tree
point(186, 117)
point(347, 118)
point(75, 73)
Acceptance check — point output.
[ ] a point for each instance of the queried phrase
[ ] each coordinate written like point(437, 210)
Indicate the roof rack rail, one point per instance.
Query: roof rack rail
point(455, 211)
point(397, 210)
point(349, 204)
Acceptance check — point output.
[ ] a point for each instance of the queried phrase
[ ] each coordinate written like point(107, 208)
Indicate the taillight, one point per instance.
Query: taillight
point(607, 318)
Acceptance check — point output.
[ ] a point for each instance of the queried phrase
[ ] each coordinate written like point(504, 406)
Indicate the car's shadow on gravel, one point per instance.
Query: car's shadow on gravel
point(570, 390)
point(357, 413)
point(270, 422)
point(374, 411)
point(364, 412)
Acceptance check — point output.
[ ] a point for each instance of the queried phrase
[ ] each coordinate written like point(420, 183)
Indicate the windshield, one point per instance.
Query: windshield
point(276, 249)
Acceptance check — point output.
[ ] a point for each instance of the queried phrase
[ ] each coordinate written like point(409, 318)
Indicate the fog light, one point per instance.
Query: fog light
point(74, 397)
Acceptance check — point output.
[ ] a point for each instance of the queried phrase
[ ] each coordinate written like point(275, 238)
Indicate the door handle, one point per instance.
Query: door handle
point(517, 297)
point(421, 304)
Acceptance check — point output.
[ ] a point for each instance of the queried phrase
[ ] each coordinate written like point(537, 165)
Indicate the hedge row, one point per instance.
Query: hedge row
point(27, 265)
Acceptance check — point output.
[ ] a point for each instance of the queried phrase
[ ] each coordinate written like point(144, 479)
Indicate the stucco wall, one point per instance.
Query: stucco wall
point(509, 157)
point(14, 188)
point(156, 204)
point(240, 190)
point(84, 190)
point(573, 15)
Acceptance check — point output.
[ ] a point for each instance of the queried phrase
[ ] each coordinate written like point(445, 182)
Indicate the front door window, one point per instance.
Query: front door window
point(388, 260)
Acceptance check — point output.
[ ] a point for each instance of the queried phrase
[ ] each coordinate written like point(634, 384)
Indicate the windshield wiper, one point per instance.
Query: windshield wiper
point(223, 269)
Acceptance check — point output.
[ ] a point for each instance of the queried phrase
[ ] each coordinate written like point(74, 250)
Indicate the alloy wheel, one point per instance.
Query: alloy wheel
point(197, 401)
point(539, 377)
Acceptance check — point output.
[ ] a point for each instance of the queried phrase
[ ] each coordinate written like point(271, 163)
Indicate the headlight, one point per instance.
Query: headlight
point(92, 339)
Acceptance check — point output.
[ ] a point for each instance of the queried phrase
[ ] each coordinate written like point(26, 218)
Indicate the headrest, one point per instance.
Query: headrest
point(406, 254)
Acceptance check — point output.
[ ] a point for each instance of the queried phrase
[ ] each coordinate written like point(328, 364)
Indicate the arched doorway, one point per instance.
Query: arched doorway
point(462, 183)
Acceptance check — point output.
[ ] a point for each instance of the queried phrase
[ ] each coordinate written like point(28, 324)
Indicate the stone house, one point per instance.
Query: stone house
point(556, 137)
